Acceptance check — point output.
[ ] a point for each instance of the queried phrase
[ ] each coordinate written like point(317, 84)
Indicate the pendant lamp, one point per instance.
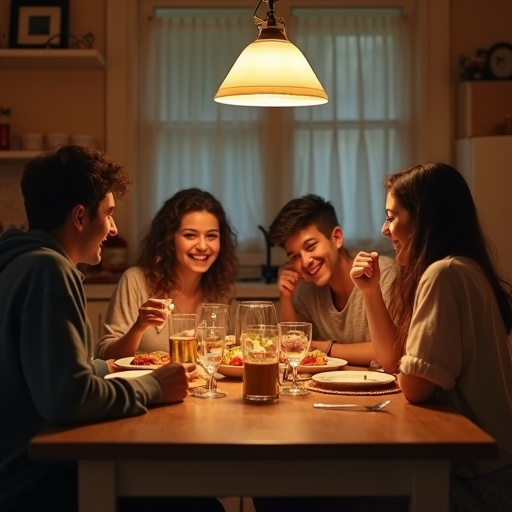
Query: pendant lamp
point(271, 71)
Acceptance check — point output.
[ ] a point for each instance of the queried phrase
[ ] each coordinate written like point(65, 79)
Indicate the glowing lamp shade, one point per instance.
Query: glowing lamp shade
point(271, 73)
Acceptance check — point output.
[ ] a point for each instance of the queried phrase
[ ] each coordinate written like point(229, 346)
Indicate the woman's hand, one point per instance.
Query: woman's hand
point(152, 313)
point(365, 271)
point(288, 280)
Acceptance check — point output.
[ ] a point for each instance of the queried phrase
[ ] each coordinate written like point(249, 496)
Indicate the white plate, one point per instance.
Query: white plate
point(333, 363)
point(128, 375)
point(229, 370)
point(125, 363)
point(353, 379)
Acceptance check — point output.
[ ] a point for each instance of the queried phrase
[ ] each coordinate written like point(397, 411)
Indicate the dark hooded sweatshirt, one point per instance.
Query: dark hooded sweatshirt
point(47, 371)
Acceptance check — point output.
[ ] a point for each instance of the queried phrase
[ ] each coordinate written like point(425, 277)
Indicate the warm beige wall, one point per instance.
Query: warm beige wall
point(479, 24)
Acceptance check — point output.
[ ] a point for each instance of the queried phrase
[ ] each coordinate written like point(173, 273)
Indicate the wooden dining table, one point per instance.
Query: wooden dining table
point(227, 447)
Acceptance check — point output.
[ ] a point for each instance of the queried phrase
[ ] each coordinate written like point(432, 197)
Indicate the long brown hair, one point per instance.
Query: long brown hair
point(158, 252)
point(446, 223)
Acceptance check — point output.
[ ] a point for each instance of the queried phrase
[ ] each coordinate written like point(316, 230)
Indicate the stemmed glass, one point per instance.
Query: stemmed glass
point(295, 340)
point(210, 349)
point(212, 324)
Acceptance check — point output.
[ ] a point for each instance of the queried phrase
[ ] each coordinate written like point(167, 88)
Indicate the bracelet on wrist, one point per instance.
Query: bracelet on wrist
point(329, 347)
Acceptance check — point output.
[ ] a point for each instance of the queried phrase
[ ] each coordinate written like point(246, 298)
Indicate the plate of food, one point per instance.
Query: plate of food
point(144, 360)
point(128, 374)
point(229, 370)
point(232, 364)
point(316, 361)
point(353, 379)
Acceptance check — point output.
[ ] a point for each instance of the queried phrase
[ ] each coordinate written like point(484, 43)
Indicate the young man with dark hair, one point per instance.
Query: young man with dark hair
point(48, 373)
point(315, 284)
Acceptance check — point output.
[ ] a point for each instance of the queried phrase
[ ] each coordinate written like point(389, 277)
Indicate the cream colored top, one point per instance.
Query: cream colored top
point(131, 292)
point(457, 340)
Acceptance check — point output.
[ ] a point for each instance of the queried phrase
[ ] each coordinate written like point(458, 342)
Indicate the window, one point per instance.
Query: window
point(254, 160)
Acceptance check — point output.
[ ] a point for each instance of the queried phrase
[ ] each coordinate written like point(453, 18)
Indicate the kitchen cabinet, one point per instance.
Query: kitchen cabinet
point(486, 163)
point(96, 311)
point(98, 297)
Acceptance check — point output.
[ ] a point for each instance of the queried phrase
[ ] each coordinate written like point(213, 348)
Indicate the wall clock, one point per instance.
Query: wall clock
point(499, 61)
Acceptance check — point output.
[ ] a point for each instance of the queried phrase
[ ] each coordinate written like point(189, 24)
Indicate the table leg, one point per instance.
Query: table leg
point(96, 486)
point(430, 486)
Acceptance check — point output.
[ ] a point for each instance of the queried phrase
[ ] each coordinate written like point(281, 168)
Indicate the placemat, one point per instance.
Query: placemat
point(382, 390)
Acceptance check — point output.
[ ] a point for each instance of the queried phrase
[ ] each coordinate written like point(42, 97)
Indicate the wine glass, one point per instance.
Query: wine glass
point(253, 313)
point(213, 315)
point(210, 349)
point(212, 321)
point(295, 340)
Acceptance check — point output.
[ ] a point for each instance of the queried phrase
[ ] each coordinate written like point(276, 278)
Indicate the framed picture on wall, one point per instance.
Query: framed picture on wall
point(39, 24)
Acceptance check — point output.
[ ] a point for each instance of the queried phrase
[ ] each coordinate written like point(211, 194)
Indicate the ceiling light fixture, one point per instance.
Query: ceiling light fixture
point(271, 71)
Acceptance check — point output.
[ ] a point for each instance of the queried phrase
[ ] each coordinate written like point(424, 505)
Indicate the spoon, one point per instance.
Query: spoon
point(373, 408)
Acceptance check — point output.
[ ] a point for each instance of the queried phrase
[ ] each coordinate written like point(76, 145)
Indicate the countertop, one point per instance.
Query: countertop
point(247, 290)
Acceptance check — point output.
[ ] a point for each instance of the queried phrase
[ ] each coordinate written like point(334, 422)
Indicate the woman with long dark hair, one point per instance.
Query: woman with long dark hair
point(446, 330)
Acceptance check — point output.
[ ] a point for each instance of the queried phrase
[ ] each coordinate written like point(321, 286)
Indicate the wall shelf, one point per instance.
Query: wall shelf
point(18, 156)
point(53, 59)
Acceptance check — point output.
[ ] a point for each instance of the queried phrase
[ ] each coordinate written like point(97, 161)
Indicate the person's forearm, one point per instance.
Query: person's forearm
point(382, 332)
point(124, 346)
point(357, 354)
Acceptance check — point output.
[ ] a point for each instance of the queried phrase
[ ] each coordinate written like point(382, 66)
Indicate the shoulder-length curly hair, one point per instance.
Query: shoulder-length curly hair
point(446, 223)
point(158, 252)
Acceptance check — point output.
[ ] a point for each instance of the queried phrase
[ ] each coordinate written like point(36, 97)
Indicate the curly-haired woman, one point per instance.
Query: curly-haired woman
point(187, 257)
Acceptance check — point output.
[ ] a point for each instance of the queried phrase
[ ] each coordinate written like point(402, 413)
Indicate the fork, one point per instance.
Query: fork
point(373, 408)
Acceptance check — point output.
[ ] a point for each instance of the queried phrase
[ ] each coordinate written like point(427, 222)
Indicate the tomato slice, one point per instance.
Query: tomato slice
point(236, 361)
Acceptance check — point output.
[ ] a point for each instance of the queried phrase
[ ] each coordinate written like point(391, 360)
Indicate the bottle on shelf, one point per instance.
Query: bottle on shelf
point(5, 128)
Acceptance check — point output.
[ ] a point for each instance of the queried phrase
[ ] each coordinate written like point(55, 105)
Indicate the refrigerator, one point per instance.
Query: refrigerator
point(486, 163)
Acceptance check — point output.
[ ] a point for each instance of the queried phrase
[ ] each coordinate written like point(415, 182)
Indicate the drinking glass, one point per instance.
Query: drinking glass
point(253, 313)
point(214, 315)
point(182, 339)
point(210, 349)
point(261, 363)
point(295, 340)
point(215, 318)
